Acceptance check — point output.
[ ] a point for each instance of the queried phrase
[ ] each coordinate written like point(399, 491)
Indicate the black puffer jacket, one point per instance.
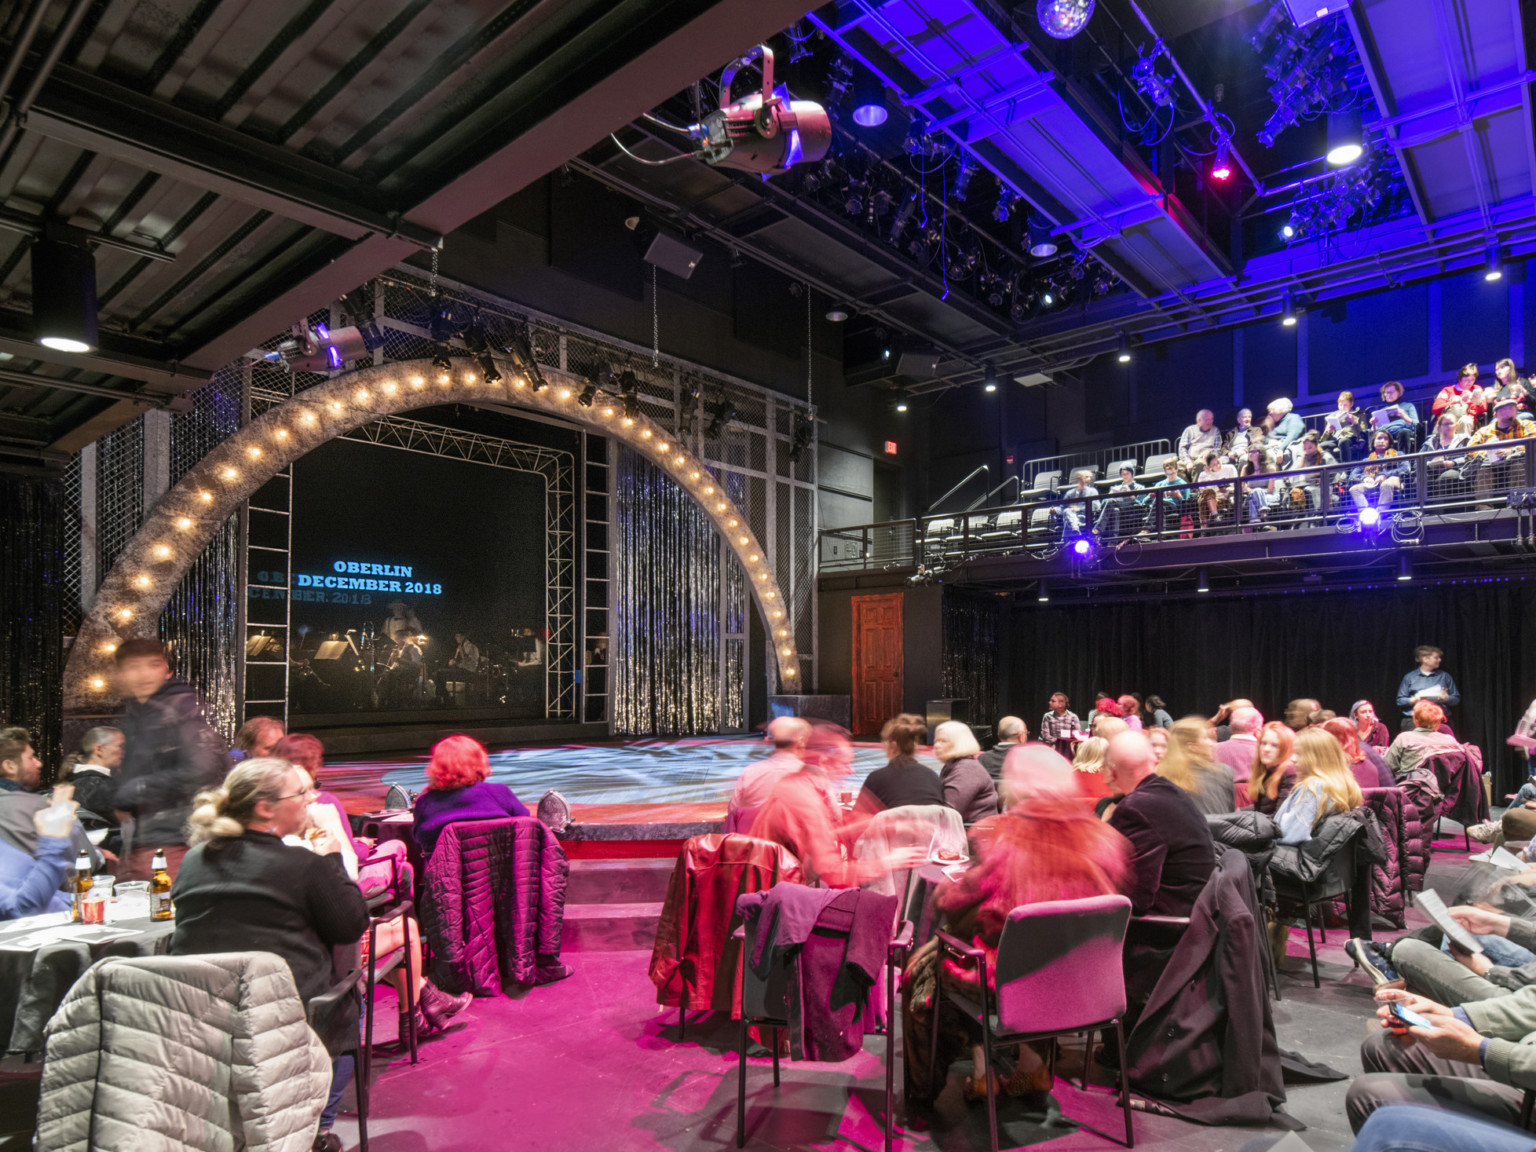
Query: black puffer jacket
point(1421, 800)
point(169, 756)
point(1389, 879)
point(1254, 834)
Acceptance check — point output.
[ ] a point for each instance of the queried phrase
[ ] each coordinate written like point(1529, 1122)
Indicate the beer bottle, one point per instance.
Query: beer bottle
point(83, 884)
point(160, 888)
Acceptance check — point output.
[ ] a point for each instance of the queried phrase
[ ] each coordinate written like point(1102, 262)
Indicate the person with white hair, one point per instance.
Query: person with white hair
point(1238, 751)
point(1198, 441)
point(968, 788)
point(788, 735)
point(1283, 426)
point(1011, 732)
point(1241, 438)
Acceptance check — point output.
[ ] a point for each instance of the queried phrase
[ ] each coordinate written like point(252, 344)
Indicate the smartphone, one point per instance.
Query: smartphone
point(1409, 1018)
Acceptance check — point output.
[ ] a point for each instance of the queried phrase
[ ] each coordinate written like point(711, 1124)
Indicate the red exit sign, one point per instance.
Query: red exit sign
point(890, 447)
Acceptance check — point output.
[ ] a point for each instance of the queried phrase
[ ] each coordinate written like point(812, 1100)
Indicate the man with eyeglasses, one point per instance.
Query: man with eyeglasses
point(170, 754)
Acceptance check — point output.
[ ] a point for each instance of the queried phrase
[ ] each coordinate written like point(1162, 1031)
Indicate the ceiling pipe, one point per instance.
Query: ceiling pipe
point(21, 106)
point(23, 44)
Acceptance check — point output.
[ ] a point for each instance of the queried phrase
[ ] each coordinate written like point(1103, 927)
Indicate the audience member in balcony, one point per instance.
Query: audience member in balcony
point(1368, 727)
point(1462, 401)
point(1060, 725)
point(1077, 506)
point(967, 787)
point(1365, 762)
point(1501, 467)
point(1237, 752)
point(1306, 492)
point(1507, 385)
point(1237, 442)
point(1198, 441)
point(1345, 428)
point(1124, 511)
point(905, 779)
point(1424, 739)
point(1175, 496)
point(1282, 427)
point(1190, 763)
point(457, 789)
point(1259, 495)
point(1395, 416)
point(1272, 771)
point(1426, 682)
point(1215, 501)
point(1325, 787)
point(1444, 446)
point(1011, 732)
point(1384, 479)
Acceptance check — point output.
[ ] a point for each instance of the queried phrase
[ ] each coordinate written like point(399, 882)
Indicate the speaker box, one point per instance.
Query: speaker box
point(672, 255)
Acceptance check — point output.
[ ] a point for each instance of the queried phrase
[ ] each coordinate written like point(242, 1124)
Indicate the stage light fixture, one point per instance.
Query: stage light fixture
point(1123, 346)
point(1041, 242)
point(1369, 517)
point(837, 313)
point(1063, 19)
point(1043, 593)
point(766, 132)
point(1202, 585)
point(1288, 311)
point(989, 377)
point(488, 368)
point(800, 440)
point(64, 290)
point(588, 393)
point(1404, 568)
point(521, 352)
point(1221, 168)
point(720, 415)
point(1493, 267)
point(1346, 143)
point(869, 107)
point(1047, 298)
point(901, 405)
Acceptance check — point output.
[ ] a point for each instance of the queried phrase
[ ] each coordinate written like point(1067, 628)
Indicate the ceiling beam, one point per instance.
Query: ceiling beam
point(118, 355)
point(698, 46)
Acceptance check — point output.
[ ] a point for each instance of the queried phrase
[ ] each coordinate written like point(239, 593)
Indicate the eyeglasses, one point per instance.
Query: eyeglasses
point(309, 792)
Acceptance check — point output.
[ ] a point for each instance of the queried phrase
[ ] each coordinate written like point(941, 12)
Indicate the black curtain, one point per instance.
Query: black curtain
point(971, 628)
point(1337, 647)
point(31, 610)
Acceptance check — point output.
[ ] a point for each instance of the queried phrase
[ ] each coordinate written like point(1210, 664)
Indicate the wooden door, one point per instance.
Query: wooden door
point(877, 661)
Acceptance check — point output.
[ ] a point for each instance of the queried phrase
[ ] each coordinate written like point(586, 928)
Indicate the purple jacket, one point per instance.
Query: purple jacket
point(436, 809)
point(494, 905)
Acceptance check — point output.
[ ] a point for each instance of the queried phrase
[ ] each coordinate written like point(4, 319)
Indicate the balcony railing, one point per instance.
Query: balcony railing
point(1340, 496)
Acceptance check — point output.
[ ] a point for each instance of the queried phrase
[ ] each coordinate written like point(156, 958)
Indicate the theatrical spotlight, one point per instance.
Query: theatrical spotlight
point(1370, 518)
point(318, 349)
point(989, 377)
point(488, 368)
point(1221, 168)
point(765, 132)
point(1041, 242)
point(1123, 348)
point(1404, 568)
point(869, 110)
point(1043, 592)
point(800, 440)
point(588, 393)
point(1082, 548)
point(720, 415)
point(1493, 267)
point(440, 359)
point(523, 360)
point(64, 290)
point(1202, 585)
point(629, 393)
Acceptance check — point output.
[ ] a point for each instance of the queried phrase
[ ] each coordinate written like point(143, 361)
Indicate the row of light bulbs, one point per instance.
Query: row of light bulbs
point(362, 396)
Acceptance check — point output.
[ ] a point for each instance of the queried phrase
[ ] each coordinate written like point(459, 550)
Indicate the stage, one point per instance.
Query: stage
point(632, 797)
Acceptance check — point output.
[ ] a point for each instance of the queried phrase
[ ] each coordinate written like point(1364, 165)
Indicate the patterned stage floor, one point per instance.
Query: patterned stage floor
point(668, 779)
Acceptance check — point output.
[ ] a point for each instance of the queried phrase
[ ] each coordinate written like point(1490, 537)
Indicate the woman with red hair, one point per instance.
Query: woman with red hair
point(457, 789)
point(1365, 762)
point(1410, 748)
point(1273, 773)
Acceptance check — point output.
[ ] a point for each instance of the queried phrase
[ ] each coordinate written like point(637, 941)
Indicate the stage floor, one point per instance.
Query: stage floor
point(619, 781)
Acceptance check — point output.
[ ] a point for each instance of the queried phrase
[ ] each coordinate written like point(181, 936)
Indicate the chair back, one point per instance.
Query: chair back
point(908, 826)
point(1060, 964)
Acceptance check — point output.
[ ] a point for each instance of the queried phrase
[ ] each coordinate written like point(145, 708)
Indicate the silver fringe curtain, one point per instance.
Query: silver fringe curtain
point(667, 597)
point(971, 628)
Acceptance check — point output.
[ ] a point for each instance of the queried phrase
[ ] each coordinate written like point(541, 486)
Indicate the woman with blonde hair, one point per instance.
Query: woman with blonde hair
point(1190, 764)
point(968, 787)
point(1273, 774)
point(1325, 786)
point(1088, 768)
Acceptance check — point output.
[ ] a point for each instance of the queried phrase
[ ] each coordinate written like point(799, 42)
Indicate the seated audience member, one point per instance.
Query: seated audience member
point(1048, 846)
point(968, 789)
point(1189, 764)
point(1425, 961)
point(904, 779)
point(1369, 769)
point(1463, 402)
point(1124, 510)
point(1383, 479)
point(1306, 492)
point(1155, 713)
point(1172, 854)
point(1398, 418)
point(1130, 711)
point(802, 815)
point(1173, 495)
point(1011, 732)
point(1410, 748)
point(1474, 1059)
point(1299, 711)
point(757, 781)
point(1345, 428)
point(101, 751)
point(1090, 773)
point(1077, 506)
point(1496, 467)
point(1221, 722)
point(1325, 787)
point(1320, 716)
point(1238, 751)
point(457, 789)
point(1059, 726)
point(1214, 501)
point(1443, 445)
point(1370, 729)
point(1282, 427)
point(31, 883)
point(21, 798)
point(1158, 738)
point(1272, 771)
point(1405, 1127)
point(1240, 439)
point(1507, 385)
point(1103, 705)
point(1198, 441)
point(1259, 494)
point(256, 738)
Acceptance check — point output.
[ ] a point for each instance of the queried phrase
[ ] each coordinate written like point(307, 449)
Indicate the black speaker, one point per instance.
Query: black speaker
point(1304, 12)
point(671, 254)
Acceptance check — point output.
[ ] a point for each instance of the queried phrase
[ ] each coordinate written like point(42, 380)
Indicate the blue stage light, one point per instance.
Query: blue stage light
point(1082, 546)
point(1369, 517)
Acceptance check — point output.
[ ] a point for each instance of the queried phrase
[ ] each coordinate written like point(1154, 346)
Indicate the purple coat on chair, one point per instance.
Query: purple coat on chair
point(494, 905)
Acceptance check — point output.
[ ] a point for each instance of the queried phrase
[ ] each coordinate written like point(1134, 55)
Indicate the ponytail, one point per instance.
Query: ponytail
point(224, 812)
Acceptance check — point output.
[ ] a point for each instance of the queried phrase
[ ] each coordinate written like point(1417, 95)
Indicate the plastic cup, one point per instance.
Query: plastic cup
point(93, 909)
point(132, 902)
point(104, 884)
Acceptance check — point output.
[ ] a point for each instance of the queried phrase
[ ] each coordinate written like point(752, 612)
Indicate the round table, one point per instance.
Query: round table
point(36, 975)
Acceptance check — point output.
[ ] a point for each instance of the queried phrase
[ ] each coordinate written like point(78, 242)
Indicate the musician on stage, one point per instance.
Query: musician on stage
point(466, 657)
point(467, 671)
point(402, 675)
point(401, 621)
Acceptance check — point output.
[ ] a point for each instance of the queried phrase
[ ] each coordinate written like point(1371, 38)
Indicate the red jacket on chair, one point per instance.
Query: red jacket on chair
point(695, 964)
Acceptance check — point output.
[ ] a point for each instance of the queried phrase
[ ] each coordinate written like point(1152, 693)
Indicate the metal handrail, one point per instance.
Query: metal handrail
point(985, 496)
point(969, 476)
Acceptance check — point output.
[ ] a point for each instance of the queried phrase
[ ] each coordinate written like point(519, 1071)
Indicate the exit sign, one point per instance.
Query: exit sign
point(890, 447)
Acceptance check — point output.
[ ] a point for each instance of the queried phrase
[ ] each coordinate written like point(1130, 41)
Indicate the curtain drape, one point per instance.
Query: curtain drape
point(31, 609)
point(971, 627)
point(1336, 646)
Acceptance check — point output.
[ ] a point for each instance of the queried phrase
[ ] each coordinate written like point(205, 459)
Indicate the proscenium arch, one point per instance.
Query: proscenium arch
point(183, 521)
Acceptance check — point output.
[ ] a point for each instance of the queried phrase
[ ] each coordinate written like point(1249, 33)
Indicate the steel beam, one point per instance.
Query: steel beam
point(119, 355)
